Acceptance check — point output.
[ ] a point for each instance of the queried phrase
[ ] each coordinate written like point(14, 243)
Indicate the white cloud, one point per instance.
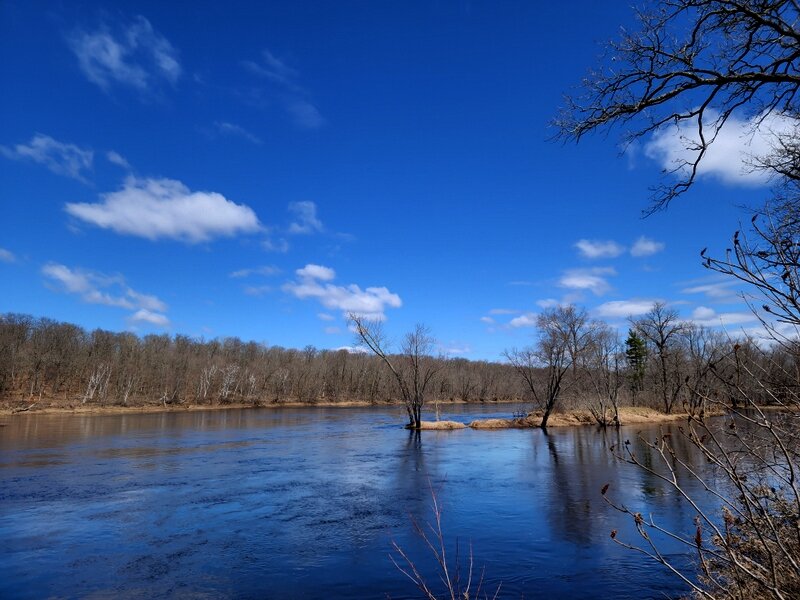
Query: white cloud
point(304, 113)
point(703, 312)
point(332, 330)
point(257, 290)
point(526, 320)
point(599, 249)
point(729, 157)
point(165, 208)
point(314, 282)
point(316, 272)
point(503, 311)
point(287, 91)
point(146, 316)
point(325, 317)
point(593, 280)
point(61, 158)
point(278, 245)
point(646, 247)
point(353, 349)
point(136, 56)
point(108, 290)
point(708, 317)
point(117, 159)
point(548, 303)
point(231, 129)
point(488, 320)
point(266, 271)
point(715, 289)
point(624, 308)
point(7, 256)
point(456, 349)
point(306, 220)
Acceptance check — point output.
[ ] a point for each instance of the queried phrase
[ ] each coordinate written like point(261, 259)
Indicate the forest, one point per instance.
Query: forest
point(574, 362)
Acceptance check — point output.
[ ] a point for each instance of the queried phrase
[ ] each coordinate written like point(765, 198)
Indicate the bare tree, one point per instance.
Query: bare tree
point(661, 327)
point(603, 361)
point(750, 547)
point(413, 367)
point(564, 334)
point(697, 62)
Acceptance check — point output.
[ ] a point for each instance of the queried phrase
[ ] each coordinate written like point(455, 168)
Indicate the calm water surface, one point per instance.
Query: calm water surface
point(304, 503)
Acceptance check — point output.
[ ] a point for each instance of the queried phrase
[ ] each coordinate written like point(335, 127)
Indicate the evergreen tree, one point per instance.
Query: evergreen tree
point(636, 355)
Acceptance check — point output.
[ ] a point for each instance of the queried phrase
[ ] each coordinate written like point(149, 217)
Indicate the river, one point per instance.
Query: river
point(305, 503)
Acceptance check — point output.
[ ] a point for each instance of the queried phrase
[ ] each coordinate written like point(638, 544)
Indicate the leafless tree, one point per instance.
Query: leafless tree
point(604, 359)
point(661, 327)
point(751, 547)
point(413, 367)
point(565, 333)
point(697, 62)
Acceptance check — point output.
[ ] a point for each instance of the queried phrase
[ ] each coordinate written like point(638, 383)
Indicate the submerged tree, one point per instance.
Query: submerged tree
point(565, 333)
point(412, 367)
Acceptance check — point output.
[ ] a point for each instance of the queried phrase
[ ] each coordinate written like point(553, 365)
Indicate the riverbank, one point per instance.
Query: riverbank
point(83, 409)
point(628, 415)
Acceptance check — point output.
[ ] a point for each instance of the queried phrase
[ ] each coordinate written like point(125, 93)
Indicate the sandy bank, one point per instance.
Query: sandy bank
point(629, 415)
point(441, 425)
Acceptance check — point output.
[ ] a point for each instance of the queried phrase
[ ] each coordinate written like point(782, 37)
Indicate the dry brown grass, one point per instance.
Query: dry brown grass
point(519, 423)
point(629, 415)
point(441, 425)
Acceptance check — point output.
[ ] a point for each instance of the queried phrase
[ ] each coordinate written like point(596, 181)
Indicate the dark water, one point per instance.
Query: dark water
point(304, 503)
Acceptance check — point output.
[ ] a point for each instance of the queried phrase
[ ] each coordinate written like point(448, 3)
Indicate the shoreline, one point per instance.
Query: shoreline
point(629, 415)
point(157, 408)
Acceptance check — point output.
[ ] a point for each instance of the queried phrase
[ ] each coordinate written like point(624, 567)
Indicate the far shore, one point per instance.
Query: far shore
point(32, 407)
point(628, 415)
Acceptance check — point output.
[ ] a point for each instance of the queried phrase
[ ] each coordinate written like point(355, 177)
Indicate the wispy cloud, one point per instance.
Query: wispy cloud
point(624, 308)
point(7, 256)
point(257, 290)
point(274, 244)
point(166, 209)
point(703, 315)
point(646, 247)
point(231, 129)
point(265, 270)
point(526, 320)
point(730, 156)
point(305, 218)
point(314, 281)
point(599, 249)
point(117, 159)
point(316, 272)
point(593, 280)
point(716, 289)
point(134, 55)
point(285, 87)
point(108, 290)
point(147, 316)
point(503, 311)
point(61, 158)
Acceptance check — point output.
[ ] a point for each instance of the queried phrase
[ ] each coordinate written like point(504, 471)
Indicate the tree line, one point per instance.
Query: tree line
point(575, 362)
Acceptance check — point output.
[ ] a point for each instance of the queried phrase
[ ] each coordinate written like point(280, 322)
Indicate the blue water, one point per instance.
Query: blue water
point(305, 503)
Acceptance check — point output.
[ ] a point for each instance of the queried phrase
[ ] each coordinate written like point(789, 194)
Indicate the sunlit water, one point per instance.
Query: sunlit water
point(304, 503)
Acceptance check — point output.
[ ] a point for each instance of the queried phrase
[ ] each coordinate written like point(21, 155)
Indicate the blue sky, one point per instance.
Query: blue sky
point(261, 170)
